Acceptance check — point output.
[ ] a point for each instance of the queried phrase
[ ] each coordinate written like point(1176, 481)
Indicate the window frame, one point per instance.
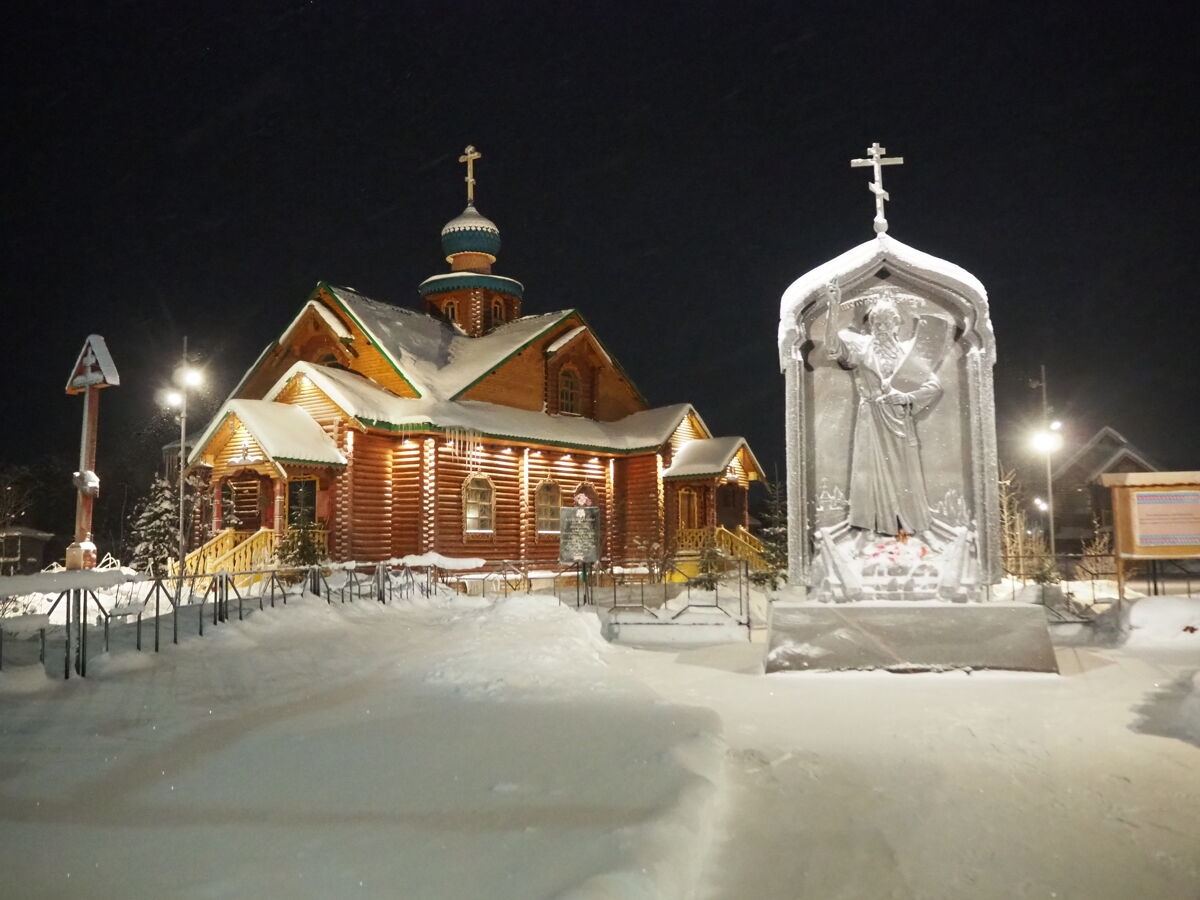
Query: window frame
point(692, 505)
point(478, 482)
point(287, 501)
point(542, 510)
point(570, 387)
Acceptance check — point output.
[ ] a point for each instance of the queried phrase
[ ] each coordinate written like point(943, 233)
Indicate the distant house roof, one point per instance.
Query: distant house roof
point(1106, 449)
point(24, 531)
point(375, 407)
point(285, 432)
point(708, 456)
point(435, 357)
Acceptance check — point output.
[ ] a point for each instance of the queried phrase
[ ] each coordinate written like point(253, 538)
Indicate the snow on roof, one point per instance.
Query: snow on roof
point(565, 339)
point(867, 256)
point(94, 366)
point(706, 456)
point(285, 432)
point(569, 336)
point(24, 531)
point(374, 406)
point(1095, 458)
point(438, 360)
point(333, 322)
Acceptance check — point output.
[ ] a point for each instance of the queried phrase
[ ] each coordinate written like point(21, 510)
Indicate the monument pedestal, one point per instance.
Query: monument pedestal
point(909, 637)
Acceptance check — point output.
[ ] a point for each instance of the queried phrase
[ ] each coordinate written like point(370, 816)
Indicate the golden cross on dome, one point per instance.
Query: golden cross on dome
point(469, 156)
point(876, 159)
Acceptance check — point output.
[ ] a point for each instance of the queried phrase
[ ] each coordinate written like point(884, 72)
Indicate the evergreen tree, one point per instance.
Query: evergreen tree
point(155, 527)
point(774, 537)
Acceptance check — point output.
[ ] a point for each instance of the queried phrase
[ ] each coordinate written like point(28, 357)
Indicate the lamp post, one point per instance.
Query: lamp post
point(185, 377)
point(1047, 442)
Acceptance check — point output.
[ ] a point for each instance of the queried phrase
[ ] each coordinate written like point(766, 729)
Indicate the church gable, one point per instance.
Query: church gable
point(565, 370)
point(324, 333)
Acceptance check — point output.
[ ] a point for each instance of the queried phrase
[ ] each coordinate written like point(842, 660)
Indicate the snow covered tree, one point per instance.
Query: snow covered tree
point(155, 527)
point(17, 494)
point(774, 537)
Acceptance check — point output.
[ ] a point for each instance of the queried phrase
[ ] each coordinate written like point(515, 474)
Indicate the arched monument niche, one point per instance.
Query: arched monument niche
point(891, 439)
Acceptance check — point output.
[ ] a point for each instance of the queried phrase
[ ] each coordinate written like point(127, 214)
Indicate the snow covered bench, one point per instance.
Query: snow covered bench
point(23, 626)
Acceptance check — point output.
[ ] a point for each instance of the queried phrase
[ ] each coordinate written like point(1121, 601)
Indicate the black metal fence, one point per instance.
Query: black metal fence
point(165, 605)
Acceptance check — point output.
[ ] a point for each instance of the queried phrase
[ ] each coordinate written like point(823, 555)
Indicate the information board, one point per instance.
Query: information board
point(1166, 518)
point(579, 534)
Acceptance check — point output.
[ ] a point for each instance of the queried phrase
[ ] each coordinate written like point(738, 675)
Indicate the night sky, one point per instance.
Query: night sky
point(193, 169)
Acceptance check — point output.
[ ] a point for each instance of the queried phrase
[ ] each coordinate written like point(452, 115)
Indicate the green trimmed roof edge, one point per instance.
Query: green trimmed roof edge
point(500, 283)
point(566, 315)
point(363, 328)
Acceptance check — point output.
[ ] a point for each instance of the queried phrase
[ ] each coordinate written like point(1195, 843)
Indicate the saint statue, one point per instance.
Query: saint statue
point(894, 381)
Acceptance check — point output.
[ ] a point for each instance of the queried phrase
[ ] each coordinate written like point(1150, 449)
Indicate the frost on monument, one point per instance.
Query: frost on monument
point(892, 474)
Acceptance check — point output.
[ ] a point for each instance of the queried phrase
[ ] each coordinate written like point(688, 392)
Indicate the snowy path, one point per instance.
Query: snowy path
point(946, 786)
point(448, 751)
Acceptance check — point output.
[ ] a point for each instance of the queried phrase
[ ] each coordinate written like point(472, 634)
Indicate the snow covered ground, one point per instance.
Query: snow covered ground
point(463, 747)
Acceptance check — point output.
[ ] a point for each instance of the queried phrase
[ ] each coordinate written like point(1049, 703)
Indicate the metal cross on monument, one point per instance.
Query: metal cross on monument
point(876, 160)
point(469, 156)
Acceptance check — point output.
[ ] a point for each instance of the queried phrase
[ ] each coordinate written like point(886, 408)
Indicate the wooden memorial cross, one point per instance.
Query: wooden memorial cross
point(876, 160)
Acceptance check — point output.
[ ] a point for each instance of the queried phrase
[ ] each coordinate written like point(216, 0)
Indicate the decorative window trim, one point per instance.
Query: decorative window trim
point(497, 312)
point(570, 391)
point(450, 310)
point(484, 503)
point(542, 514)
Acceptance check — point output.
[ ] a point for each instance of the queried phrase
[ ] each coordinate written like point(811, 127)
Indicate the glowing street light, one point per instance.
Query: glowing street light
point(1048, 441)
point(186, 377)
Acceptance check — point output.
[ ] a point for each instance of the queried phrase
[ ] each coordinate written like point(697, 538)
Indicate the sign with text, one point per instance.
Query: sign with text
point(579, 534)
point(1166, 518)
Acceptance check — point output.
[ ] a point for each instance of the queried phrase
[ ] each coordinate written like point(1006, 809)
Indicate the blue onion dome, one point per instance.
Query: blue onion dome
point(470, 232)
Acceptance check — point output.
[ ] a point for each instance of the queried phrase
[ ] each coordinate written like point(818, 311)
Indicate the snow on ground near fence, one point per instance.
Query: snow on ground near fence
point(450, 748)
point(468, 747)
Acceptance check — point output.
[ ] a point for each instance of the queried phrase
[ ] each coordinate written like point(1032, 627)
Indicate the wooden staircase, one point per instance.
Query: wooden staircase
point(230, 551)
point(737, 544)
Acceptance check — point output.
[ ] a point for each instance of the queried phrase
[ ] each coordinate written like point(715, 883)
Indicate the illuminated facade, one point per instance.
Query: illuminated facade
point(458, 429)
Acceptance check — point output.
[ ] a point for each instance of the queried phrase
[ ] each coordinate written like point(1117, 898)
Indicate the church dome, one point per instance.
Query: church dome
point(470, 232)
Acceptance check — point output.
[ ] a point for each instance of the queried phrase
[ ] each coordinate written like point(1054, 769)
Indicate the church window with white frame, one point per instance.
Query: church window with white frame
point(547, 503)
point(479, 505)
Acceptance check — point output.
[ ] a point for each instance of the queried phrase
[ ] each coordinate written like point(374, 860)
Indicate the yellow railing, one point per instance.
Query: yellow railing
point(739, 544)
point(199, 561)
point(255, 552)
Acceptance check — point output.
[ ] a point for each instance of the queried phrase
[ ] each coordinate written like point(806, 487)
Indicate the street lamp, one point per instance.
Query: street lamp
point(1047, 442)
point(185, 377)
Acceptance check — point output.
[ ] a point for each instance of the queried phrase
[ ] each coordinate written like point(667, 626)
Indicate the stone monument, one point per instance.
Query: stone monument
point(891, 437)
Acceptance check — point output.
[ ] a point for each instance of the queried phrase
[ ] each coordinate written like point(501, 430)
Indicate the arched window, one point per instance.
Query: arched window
point(450, 311)
point(547, 502)
point(689, 509)
point(497, 312)
point(479, 505)
point(568, 391)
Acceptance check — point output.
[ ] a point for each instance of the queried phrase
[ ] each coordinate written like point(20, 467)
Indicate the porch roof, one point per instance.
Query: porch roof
point(707, 456)
point(285, 432)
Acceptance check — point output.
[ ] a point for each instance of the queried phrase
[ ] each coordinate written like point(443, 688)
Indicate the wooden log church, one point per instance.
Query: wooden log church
point(458, 428)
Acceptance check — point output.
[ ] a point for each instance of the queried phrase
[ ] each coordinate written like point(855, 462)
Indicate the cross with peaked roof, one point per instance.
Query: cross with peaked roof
point(876, 160)
point(469, 156)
